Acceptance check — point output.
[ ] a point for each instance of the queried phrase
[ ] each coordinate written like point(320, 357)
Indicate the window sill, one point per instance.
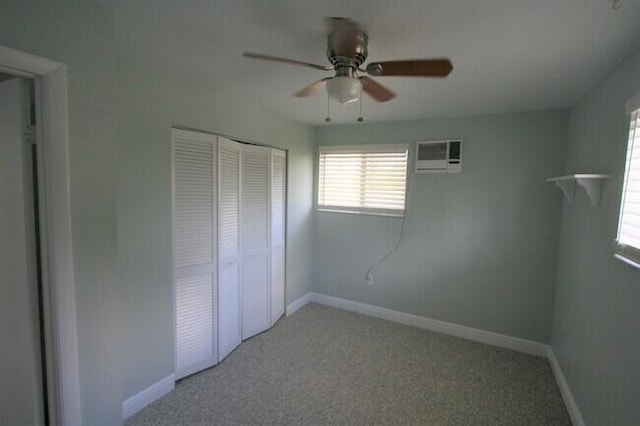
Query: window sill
point(383, 214)
point(631, 262)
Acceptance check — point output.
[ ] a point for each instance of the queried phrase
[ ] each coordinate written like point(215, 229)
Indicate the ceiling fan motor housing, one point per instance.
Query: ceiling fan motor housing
point(347, 50)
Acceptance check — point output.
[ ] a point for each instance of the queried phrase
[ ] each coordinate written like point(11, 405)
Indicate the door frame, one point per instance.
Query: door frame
point(61, 341)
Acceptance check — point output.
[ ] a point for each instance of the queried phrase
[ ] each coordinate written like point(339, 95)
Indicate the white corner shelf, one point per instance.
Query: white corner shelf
point(592, 184)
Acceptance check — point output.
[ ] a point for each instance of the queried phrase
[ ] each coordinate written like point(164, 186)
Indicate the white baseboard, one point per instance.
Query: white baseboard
point(137, 402)
point(140, 400)
point(488, 337)
point(565, 391)
point(298, 303)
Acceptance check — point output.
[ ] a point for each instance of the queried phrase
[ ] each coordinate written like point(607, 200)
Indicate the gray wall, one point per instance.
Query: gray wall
point(597, 322)
point(155, 94)
point(150, 102)
point(480, 247)
point(120, 112)
point(80, 34)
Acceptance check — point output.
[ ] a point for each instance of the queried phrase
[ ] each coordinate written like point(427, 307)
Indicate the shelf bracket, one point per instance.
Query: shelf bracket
point(568, 189)
point(593, 188)
point(591, 183)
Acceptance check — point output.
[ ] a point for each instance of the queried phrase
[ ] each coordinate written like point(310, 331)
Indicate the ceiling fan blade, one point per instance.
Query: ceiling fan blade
point(285, 60)
point(376, 90)
point(412, 68)
point(343, 36)
point(313, 88)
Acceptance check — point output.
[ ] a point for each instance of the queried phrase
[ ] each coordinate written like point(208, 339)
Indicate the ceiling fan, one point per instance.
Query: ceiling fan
point(347, 51)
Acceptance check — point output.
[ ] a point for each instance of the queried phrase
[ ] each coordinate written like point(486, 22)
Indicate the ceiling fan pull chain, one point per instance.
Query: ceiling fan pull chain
point(328, 119)
point(360, 119)
point(347, 51)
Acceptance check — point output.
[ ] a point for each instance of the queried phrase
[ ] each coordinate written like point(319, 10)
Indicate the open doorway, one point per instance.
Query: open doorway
point(40, 343)
point(23, 367)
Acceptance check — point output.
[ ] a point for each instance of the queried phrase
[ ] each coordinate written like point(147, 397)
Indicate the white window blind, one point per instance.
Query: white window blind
point(628, 241)
point(363, 179)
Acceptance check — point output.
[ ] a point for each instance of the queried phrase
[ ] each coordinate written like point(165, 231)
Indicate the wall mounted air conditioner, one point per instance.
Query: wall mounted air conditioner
point(439, 156)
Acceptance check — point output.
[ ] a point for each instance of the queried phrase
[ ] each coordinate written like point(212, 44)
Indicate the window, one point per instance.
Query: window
point(628, 240)
point(363, 179)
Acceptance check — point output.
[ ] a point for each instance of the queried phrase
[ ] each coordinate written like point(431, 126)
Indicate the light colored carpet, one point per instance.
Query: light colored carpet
point(324, 366)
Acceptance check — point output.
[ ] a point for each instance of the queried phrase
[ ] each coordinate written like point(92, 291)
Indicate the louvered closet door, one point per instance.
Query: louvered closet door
point(194, 269)
point(254, 237)
point(229, 332)
point(278, 193)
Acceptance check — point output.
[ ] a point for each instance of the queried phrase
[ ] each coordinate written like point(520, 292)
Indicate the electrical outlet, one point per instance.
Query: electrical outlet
point(368, 279)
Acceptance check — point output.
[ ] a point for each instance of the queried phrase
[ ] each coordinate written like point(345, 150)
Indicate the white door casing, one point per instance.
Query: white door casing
point(58, 281)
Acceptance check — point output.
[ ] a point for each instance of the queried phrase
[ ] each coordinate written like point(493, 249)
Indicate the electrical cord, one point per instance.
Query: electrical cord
point(369, 274)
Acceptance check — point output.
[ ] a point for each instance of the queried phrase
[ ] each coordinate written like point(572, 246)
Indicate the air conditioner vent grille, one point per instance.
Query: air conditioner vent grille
point(444, 156)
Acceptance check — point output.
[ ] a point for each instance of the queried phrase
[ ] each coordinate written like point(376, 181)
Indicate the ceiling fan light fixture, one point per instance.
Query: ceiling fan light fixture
point(344, 89)
point(347, 51)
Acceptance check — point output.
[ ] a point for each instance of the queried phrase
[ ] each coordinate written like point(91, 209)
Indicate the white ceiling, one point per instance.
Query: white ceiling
point(508, 55)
